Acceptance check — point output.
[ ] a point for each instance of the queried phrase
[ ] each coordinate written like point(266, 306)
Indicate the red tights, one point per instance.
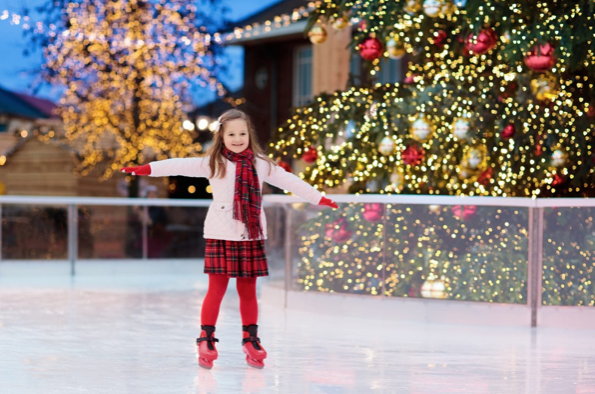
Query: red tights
point(217, 287)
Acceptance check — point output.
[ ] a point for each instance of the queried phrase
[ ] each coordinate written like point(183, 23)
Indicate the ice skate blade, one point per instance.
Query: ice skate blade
point(204, 363)
point(255, 363)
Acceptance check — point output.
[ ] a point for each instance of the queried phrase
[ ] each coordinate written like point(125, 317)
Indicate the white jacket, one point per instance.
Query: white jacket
point(219, 223)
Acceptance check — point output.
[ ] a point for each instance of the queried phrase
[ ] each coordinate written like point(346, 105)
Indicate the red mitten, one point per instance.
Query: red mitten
point(142, 170)
point(328, 203)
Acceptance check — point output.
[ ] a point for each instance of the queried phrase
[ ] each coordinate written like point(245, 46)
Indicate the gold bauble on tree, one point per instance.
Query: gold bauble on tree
point(449, 8)
point(421, 129)
point(339, 23)
point(317, 34)
point(558, 158)
point(545, 87)
point(412, 6)
point(386, 146)
point(460, 128)
point(433, 8)
point(395, 48)
point(397, 181)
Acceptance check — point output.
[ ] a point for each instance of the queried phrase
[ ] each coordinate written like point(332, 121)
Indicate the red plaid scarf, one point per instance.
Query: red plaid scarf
point(247, 199)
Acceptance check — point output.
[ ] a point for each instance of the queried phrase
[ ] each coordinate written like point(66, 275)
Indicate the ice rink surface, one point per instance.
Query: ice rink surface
point(136, 334)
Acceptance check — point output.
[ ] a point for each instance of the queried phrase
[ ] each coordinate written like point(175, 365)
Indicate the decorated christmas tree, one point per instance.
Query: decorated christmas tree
point(498, 100)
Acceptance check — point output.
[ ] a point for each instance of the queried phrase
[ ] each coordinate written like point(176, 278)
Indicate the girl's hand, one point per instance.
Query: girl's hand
point(142, 170)
point(328, 203)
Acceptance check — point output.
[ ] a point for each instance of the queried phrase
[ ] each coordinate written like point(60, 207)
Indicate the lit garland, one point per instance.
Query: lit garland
point(127, 66)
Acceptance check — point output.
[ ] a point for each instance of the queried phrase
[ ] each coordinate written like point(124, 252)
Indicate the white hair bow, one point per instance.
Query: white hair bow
point(217, 125)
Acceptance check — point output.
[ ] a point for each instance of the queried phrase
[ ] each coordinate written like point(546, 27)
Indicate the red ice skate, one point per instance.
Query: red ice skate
point(254, 351)
point(207, 352)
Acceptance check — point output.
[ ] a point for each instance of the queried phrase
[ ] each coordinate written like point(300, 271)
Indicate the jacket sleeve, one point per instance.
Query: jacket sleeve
point(197, 167)
point(288, 181)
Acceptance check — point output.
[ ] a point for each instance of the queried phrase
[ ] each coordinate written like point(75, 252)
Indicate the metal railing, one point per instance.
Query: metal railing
point(311, 254)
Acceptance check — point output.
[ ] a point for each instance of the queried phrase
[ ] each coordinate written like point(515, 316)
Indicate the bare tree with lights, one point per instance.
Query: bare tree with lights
point(128, 67)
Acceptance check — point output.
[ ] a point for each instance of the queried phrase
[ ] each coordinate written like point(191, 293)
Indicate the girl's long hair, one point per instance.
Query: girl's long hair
point(217, 162)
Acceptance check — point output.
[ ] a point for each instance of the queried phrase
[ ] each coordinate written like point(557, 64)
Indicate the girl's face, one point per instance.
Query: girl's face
point(235, 136)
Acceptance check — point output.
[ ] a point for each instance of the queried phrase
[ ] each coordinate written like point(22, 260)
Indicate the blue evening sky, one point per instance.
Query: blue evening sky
point(17, 72)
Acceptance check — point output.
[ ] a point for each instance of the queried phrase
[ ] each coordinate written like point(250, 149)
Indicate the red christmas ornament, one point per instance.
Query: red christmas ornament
point(410, 79)
point(284, 165)
point(440, 39)
point(413, 155)
point(482, 43)
point(363, 26)
point(558, 180)
point(373, 212)
point(310, 155)
point(541, 58)
point(340, 234)
point(591, 111)
point(464, 211)
point(485, 176)
point(508, 131)
point(371, 49)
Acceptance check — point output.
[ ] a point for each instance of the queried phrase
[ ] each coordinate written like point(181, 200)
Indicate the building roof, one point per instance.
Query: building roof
point(24, 106)
point(270, 12)
point(43, 105)
point(277, 20)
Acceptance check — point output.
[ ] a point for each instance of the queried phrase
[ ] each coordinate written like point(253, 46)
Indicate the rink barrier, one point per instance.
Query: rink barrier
point(537, 313)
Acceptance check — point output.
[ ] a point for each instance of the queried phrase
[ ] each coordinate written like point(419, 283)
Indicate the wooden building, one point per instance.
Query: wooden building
point(33, 164)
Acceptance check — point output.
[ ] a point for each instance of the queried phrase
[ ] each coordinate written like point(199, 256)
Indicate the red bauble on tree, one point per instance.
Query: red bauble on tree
point(464, 211)
point(482, 43)
point(558, 180)
point(413, 155)
point(591, 111)
point(440, 38)
point(373, 212)
point(508, 131)
point(338, 231)
point(371, 48)
point(310, 155)
point(541, 58)
point(485, 177)
point(410, 79)
point(284, 165)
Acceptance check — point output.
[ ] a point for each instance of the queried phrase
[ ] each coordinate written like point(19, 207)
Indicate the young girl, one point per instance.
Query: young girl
point(235, 226)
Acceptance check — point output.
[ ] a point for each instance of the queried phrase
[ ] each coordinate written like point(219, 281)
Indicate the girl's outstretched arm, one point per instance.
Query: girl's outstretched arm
point(197, 167)
point(288, 181)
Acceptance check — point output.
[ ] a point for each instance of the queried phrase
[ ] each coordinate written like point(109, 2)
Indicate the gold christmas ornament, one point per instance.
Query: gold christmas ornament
point(545, 87)
point(448, 8)
point(412, 6)
point(434, 288)
point(387, 146)
point(317, 34)
point(395, 49)
point(558, 158)
point(372, 111)
point(397, 181)
point(432, 8)
point(421, 129)
point(473, 163)
point(460, 128)
point(340, 23)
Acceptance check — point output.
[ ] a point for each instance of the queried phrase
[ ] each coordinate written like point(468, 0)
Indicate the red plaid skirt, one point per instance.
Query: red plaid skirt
point(243, 259)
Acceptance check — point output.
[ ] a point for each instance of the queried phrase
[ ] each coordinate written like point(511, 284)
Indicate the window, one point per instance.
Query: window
point(390, 71)
point(3, 124)
point(302, 81)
